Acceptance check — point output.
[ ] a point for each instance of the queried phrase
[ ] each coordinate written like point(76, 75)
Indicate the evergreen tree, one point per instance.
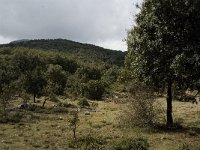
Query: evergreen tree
point(164, 45)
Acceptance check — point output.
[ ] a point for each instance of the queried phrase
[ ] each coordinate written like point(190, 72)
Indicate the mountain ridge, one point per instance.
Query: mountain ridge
point(84, 51)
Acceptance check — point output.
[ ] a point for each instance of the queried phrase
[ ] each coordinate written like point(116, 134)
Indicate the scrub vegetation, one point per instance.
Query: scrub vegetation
point(60, 94)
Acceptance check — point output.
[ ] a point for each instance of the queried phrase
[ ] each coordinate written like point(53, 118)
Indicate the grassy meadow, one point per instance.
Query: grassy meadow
point(45, 129)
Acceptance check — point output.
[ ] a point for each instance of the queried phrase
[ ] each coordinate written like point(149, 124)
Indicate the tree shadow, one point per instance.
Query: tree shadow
point(177, 128)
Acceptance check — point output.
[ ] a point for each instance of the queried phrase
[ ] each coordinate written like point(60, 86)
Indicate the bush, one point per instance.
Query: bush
point(35, 108)
point(83, 103)
point(73, 122)
point(14, 117)
point(59, 109)
point(132, 144)
point(94, 105)
point(53, 98)
point(94, 89)
point(141, 110)
point(186, 146)
point(188, 98)
point(88, 143)
point(65, 104)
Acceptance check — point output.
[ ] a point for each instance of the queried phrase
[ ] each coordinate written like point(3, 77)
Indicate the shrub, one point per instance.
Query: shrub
point(186, 146)
point(94, 105)
point(35, 108)
point(92, 143)
point(3, 119)
point(73, 122)
point(14, 117)
point(59, 110)
point(83, 103)
point(188, 98)
point(53, 98)
point(94, 89)
point(132, 144)
point(65, 104)
point(141, 109)
point(88, 143)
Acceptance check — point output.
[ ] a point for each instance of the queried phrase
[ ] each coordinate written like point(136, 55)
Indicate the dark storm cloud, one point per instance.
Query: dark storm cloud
point(102, 22)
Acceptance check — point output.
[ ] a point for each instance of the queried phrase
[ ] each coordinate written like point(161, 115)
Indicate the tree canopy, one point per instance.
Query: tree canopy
point(164, 45)
point(54, 67)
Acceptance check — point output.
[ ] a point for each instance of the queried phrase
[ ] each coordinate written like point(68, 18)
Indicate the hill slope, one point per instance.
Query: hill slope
point(82, 52)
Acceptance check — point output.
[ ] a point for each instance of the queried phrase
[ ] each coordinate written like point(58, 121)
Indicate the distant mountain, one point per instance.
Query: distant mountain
point(80, 51)
point(19, 41)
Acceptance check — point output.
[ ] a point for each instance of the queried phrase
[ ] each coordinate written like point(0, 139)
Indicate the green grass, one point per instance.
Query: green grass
point(52, 131)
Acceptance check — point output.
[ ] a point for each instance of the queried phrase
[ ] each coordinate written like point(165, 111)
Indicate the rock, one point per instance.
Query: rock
point(22, 106)
point(163, 138)
point(87, 113)
point(60, 118)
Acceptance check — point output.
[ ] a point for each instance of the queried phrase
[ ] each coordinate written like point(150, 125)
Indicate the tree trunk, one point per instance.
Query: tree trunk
point(4, 107)
point(34, 96)
point(74, 131)
point(169, 105)
point(44, 102)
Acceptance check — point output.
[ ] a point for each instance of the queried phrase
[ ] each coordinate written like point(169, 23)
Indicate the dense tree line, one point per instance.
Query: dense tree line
point(79, 51)
point(40, 73)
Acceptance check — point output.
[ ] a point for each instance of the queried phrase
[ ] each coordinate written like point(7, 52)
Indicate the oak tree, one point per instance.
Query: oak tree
point(164, 46)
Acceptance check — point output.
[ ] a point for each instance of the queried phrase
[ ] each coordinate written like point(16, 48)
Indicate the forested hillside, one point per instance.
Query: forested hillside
point(59, 67)
point(61, 94)
point(84, 53)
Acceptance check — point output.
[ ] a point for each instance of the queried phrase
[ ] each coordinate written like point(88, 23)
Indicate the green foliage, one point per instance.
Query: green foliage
point(94, 105)
point(187, 98)
point(56, 80)
point(53, 98)
point(67, 68)
point(59, 109)
point(86, 73)
point(63, 61)
point(25, 60)
point(110, 76)
point(13, 117)
point(33, 82)
point(92, 143)
point(84, 53)
point(35, 108)
point(65, 104)
point(88, 142)
point(94, 90)
point(132, 144)
point(83, 103)
point(29, 68)
point(141, 110)
point(73, 86)
point(16, 117)
point(73, 122)
point(163, 46)
point(7, 82)
point(86, 82)
point(186, 146)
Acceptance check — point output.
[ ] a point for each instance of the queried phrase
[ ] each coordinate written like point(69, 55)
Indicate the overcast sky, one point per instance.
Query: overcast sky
point(100, 22)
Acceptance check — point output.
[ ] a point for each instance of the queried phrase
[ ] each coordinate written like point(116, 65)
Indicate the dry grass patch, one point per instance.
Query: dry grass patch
point(52, 131)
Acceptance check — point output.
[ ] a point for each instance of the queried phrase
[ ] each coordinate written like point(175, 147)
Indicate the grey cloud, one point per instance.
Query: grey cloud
point(81, 20)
